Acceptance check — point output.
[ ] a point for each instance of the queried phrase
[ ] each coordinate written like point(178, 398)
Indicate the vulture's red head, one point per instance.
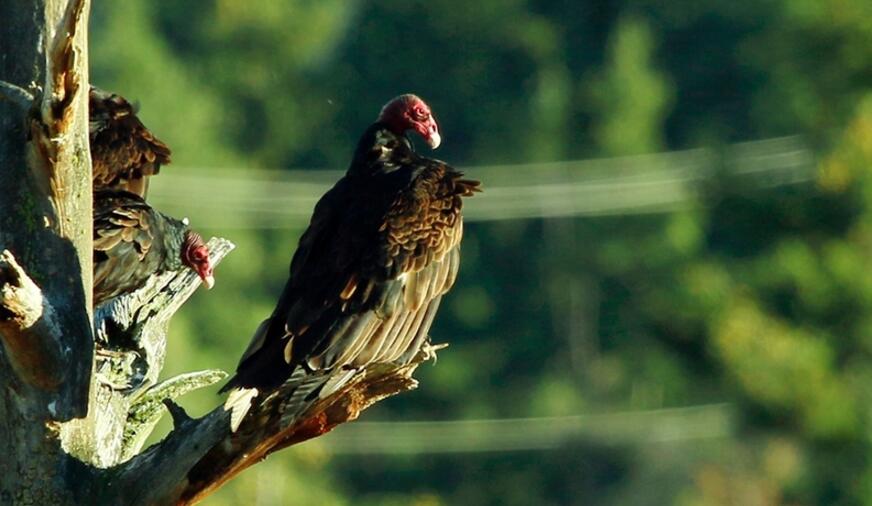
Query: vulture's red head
point(409, 112)
point(195, 255)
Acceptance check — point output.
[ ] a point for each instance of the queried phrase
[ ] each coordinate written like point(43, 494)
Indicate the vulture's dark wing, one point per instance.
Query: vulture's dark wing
point(367, 277)
point(130, 243)
point(124, 153)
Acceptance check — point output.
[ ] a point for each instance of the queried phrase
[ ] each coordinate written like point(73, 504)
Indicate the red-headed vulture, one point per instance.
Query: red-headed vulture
point(381, 249)
point(132, 242)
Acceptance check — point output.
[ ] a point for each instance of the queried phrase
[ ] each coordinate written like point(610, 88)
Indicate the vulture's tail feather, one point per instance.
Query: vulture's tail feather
point(336, 381)
point(302, 396)
point(238, 403)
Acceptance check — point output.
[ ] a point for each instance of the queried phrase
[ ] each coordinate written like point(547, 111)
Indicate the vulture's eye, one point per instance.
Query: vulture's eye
point(419, 113)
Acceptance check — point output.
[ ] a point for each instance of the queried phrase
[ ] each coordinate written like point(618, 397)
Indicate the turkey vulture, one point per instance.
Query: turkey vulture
point(365, 282)
point(132, 241)
point(123, 152)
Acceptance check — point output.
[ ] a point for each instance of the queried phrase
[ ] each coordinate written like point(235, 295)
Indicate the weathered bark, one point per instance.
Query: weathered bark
point(45, 226)
point(45, 213)
point(80, 394)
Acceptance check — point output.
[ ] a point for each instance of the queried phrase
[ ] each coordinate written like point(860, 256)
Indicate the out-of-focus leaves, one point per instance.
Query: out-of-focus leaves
point(785, 370)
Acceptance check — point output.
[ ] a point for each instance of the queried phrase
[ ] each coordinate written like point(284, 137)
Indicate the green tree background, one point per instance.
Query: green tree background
point(753, 301)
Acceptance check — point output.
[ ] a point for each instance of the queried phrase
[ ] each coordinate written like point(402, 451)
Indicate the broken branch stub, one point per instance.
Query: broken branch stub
point(30, 332)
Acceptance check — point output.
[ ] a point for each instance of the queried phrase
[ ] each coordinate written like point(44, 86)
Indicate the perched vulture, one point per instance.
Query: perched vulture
point(123, 152)
point(132, 241)
point(365, 282)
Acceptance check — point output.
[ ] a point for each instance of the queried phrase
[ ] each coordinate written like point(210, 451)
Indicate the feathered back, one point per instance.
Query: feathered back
point(124, 153)
point(132, 241)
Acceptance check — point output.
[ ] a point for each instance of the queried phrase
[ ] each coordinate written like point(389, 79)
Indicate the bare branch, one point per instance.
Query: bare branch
point(29, 329)
point(180, 417)
point(149, 408)
point(197, 458)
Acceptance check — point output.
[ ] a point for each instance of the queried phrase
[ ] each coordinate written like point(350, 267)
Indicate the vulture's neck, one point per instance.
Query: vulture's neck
point(379, 147)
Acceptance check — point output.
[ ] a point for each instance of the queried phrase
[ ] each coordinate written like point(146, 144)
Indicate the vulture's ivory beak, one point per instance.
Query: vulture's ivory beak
point(434, 140)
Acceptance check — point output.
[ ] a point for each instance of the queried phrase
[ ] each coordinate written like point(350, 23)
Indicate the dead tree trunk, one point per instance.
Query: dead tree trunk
point(80, 389)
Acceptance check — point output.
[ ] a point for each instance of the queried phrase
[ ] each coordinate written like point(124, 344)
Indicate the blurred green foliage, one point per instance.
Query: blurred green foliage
point(760, 297)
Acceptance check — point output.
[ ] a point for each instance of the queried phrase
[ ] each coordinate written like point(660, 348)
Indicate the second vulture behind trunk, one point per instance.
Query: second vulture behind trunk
point(132, 241)
point(124, 153)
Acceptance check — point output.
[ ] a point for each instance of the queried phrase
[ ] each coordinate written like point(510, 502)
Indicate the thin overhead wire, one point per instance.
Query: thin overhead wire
point(656, 183)
point(676, 425)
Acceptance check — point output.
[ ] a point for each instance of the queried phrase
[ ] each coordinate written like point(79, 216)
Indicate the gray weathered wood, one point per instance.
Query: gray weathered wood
point(45, 225)
point(131, 346)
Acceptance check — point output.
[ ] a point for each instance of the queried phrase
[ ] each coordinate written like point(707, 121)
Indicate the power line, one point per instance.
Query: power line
point(711, 421)
point(663, 182)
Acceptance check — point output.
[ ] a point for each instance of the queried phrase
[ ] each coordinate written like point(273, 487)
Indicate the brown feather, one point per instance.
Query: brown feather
point(349, 289)
point(124, 153)
point(377, 341)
